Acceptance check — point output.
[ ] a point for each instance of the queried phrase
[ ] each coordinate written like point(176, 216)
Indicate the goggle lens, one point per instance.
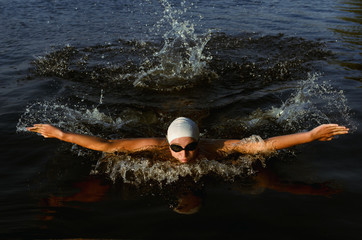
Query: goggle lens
point(189, 147)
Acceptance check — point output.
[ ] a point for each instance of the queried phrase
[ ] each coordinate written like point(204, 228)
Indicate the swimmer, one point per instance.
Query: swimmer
point(184, 142)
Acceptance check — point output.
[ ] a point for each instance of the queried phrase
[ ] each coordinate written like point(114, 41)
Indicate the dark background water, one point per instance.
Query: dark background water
point(261, 52)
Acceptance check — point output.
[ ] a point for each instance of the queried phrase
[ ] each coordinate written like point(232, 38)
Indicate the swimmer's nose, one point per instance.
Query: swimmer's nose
point(183, 153)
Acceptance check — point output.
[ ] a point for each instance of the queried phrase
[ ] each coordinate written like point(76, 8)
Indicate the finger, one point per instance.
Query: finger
point(332, 127)
point(335, 126)
point(32, 129)
point(35, 126)
point(326, 139)
point(340, 131)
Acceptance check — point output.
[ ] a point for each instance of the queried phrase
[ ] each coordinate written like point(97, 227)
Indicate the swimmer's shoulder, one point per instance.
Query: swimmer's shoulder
point(138, 144)
point(211, 144)
point(152, 143)
point(217, 144)
point(155, 141)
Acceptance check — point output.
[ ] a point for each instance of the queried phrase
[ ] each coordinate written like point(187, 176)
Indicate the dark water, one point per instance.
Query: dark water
point(127, 68)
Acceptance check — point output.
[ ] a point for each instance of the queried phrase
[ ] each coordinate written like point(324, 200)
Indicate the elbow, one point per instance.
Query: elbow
point(101, 146)
point(261, 148)
point(106, 146)
point(269, 146)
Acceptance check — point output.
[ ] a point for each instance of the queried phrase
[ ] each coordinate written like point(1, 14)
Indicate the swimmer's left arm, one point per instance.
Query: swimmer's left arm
point(325, 132)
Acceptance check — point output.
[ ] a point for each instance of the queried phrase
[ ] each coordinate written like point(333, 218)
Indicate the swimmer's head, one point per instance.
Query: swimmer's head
point(182, 127)
point(183, 136)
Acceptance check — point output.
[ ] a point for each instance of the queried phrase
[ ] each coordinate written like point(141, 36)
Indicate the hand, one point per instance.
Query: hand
point(326, 132)
point(46, 130)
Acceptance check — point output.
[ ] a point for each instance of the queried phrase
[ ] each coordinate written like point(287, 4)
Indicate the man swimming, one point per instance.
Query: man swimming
point(184, 142)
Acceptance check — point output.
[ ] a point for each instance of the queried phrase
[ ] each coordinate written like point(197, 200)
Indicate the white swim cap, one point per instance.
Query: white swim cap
point(182, 127)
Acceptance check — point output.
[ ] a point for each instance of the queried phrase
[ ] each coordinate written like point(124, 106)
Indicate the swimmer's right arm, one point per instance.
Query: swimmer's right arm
point(96, 143)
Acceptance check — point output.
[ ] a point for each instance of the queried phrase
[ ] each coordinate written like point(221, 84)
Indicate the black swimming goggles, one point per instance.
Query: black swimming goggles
point(189, 147)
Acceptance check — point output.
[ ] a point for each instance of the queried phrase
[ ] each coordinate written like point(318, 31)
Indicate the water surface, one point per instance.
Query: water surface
point(126, 69)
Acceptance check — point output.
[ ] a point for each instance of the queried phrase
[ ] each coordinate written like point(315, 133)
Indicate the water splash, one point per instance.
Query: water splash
point(76, 118)
point(140, 171)
point(181, 59)
point(313, 103)
point(101, 97)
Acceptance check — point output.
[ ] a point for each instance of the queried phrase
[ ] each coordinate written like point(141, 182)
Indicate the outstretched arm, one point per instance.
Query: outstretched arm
point(325, 132)
point(96, 143)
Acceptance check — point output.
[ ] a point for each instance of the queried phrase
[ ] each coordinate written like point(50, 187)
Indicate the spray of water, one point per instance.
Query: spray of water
point(139, 171)
point(74, 118)
point(312, 103)
point(181, 59)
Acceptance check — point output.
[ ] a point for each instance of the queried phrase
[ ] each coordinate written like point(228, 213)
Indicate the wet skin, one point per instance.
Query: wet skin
point(184, 156)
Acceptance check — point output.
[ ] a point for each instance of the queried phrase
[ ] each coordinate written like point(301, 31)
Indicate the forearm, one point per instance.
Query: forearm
point(94, 143)
point(252, 145)
point(286, 141)
point(91, 142)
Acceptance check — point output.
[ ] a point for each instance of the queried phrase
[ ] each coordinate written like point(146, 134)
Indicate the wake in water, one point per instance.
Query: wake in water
point(140, 171)
point(230, 85)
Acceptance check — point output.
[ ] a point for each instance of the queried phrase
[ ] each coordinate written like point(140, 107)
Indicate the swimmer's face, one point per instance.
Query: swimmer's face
point(188, 149)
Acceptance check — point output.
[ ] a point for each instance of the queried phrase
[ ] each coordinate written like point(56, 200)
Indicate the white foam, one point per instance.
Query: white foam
point(141, 170)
